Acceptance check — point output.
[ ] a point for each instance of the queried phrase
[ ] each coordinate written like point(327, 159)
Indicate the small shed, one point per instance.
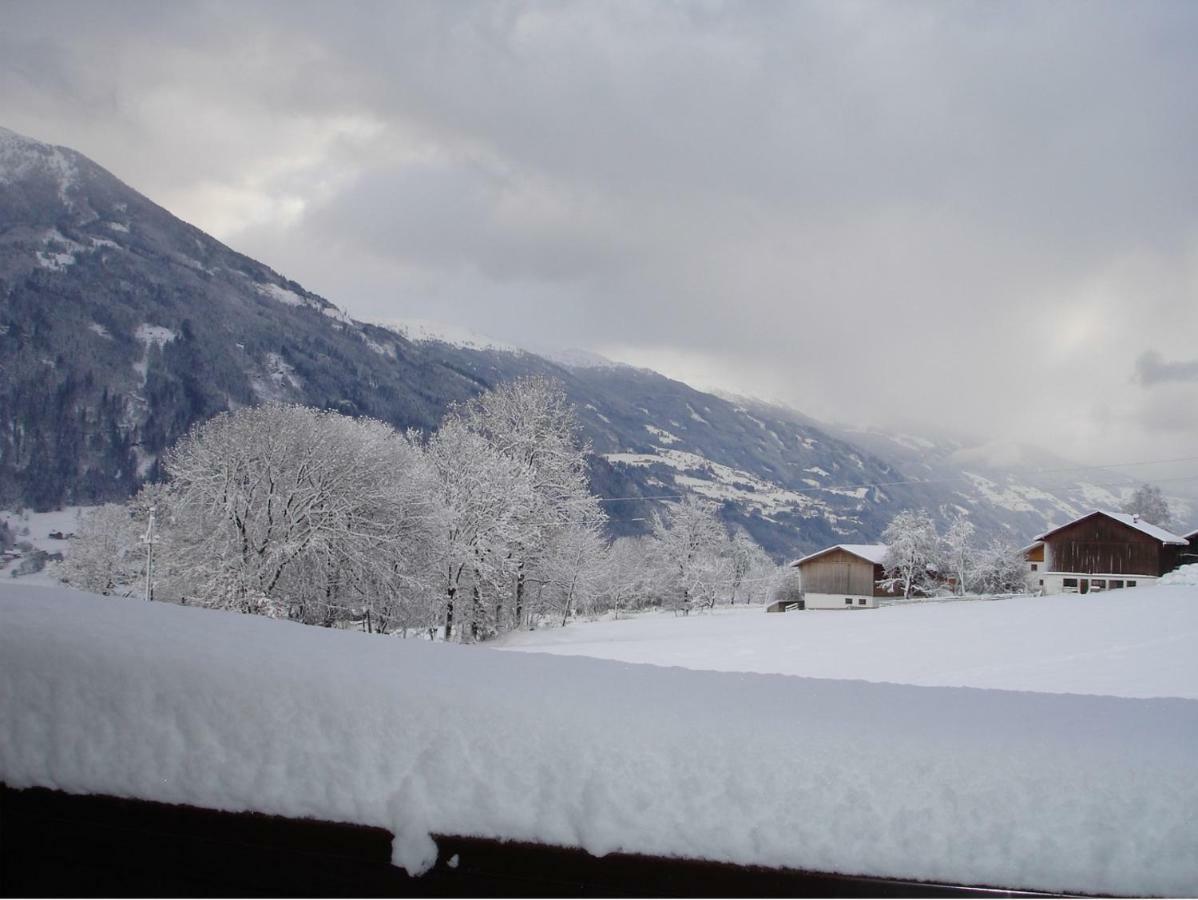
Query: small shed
point(843, 577)
point(1106, 550)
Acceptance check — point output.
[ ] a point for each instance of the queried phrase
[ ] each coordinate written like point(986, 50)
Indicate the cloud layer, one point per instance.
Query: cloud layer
point(975, 215)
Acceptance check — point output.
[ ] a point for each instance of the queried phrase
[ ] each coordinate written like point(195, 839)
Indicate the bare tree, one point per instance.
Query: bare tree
point(572, 568)
point(752, 570)
point(1149, 504)
point(958, 553)
point(1001, 569)
point(290, 511)
point(530, 422)
point(487, 503)
point(106, 554)
point(689, 551)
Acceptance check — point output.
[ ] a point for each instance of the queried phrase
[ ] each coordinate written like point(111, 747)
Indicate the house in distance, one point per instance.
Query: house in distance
point(1103, 551)
point(842, 577)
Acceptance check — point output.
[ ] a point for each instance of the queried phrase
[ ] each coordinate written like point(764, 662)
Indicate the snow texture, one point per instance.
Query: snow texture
point(1128, 643)
point(284, 295)
point(21, 157)
point(1187, 575)
point(35, 529)
point(874, 553)
point(427, 330)
point(234, 712)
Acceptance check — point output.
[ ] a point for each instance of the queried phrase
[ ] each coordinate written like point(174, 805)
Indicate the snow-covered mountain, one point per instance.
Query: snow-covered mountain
point(121, 326)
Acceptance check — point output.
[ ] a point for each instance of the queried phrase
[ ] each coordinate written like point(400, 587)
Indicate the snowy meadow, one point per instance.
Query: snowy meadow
point(1130, 643)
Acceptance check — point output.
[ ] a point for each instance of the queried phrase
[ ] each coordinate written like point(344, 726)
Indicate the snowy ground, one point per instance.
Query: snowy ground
point(1131, 643)
point(185, 705)
point(35, 528)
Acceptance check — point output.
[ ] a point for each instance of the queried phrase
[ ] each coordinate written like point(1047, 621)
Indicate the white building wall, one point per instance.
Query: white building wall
point(838, 601)
point(1054, 582)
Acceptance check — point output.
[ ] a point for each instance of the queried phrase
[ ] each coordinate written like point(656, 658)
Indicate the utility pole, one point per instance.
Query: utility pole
point(149, 539)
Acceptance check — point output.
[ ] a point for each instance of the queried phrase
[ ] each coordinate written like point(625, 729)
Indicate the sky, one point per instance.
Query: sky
point(979, 218)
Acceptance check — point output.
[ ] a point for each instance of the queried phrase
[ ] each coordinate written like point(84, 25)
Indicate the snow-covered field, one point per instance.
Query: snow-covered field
point(1130, 643)
point(1079, 793)
point(35, 528)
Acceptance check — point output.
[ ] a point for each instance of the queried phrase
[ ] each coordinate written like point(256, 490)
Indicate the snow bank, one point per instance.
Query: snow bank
point(1128, 643)
point(1185, 575)
point(231, 712)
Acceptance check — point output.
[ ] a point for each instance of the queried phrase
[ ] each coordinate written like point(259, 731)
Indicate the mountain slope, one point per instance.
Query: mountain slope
point(121, 326)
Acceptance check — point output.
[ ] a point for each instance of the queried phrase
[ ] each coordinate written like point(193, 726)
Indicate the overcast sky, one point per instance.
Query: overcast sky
point(978, 215)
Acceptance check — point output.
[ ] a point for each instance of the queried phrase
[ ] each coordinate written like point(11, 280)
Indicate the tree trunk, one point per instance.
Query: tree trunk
point(476, 609)
point(519, 598)
point(449, 612)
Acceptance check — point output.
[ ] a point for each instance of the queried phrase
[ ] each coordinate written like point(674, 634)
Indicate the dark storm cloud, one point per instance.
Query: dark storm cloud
point(872, 211)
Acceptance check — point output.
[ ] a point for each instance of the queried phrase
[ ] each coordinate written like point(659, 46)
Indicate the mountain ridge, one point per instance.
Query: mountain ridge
point(122, 325)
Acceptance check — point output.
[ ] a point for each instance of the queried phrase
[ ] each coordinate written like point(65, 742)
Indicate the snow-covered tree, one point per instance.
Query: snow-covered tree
point(958, 553)
point(487, 501)
point(1001, 569)
point(689, 546)
point(530, 422)
point(284, 510)
point(627, 579)
point(106, 554)
point(751, 572)
point(572, 568)
point(1149, 504)
point(786, 585)
point(911, 551)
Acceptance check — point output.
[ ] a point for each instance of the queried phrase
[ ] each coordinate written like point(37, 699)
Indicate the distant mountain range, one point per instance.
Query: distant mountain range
point(121, 326)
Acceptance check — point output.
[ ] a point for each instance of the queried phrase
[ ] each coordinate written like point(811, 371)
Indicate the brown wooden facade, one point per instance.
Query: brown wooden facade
point(1100, 545)
point(840, 572)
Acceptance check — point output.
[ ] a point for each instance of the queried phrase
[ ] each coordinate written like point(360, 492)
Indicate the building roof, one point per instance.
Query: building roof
point(1131, 521)
point(1190, 535)
point(873, 553)
point(1032, 546)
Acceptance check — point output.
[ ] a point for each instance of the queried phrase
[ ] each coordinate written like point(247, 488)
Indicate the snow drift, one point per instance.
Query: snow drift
point(1065, 792)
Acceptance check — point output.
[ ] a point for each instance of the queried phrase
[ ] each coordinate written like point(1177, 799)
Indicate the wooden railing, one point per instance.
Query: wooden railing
point(59, 844)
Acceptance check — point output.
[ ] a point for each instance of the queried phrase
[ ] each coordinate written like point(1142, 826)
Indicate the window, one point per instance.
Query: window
point(861, 602)
point(1041, 582)
point(848, 601)
point(1069, 583)
point(1098, 584)
point(1116, 583)
point(1035, 567)
point(1131, 584)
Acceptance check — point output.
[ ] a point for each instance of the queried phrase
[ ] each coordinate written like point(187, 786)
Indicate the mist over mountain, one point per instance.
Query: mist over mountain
point(121, 326)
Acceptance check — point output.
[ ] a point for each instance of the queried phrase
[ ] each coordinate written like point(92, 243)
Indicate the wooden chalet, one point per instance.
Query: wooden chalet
point(1104, 551)
point(842, 577)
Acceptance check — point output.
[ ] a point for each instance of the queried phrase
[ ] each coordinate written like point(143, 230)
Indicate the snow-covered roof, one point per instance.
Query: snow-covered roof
point(1032, 546)
point(1132, 521)
point(1190, 535)
point(873, 553)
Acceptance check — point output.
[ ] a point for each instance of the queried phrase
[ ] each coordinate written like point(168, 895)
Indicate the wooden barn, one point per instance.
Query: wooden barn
point(1104, 551)
point(842, 577)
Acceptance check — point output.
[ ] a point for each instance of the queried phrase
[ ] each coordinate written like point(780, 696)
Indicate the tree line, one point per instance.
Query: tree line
point(484, 526)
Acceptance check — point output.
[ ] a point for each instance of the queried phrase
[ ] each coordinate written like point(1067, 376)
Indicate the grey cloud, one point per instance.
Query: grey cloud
point(1152, 369)
point(870, 210)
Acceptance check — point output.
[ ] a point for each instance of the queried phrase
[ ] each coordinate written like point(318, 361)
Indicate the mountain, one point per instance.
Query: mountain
point(121, 326)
